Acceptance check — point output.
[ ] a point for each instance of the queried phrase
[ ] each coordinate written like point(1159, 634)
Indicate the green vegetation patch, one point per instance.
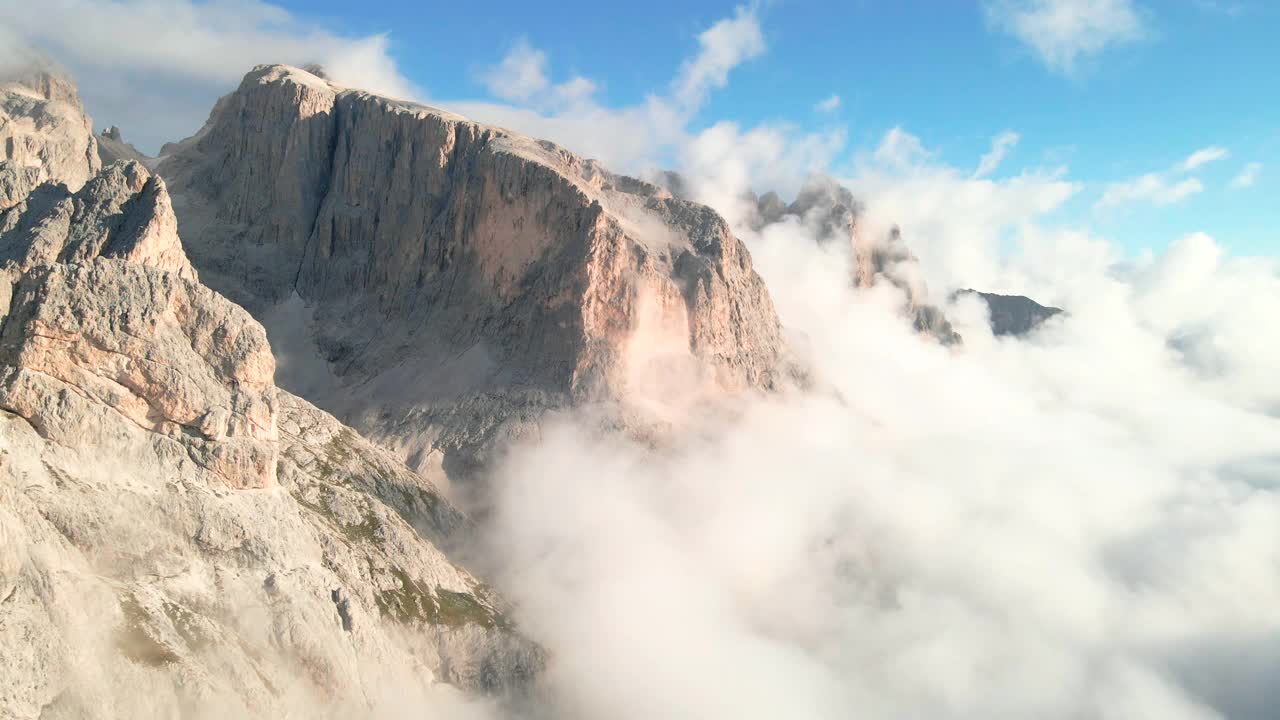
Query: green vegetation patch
point(414, 604)
point(366, 529)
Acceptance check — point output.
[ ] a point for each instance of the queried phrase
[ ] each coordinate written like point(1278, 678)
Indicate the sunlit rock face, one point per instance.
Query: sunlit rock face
point(441, 284)
point(44, 135)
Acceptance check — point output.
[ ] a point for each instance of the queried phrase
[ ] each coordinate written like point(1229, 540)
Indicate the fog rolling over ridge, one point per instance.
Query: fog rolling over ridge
point(727, 455)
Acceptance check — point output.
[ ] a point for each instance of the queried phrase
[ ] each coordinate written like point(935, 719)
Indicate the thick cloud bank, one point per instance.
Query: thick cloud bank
point(1082, 524)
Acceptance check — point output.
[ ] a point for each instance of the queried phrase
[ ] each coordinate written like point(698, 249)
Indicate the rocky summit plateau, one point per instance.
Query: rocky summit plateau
point(245, 385)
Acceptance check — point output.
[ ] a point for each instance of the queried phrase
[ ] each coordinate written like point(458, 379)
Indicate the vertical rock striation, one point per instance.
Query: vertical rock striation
point(447, 282)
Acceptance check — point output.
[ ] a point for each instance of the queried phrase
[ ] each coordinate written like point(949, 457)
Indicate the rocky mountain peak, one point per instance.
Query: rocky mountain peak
point(113, 148)
point(103, 303)
point(464, 277)
point(44, 135)
point(123, 212)
point(1014, 315)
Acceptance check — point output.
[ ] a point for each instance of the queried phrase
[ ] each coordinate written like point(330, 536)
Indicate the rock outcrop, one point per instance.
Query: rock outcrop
point(440, 283)
point(44, 135)
point(177, 536)
point(103, 339)
point(112, 148)
point(1013, 315)
point(123, 212)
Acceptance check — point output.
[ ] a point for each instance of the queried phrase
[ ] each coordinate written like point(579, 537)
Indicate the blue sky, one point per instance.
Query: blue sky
point(1112, 95)
point(1195, 75)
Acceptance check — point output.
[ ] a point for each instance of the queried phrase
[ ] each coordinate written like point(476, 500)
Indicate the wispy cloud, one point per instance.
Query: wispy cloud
point(630, 137)
point(899, 149)
point(1204, 156)
point(830, 104)
point(520, 75)
point(723, 46)
point(1152, 187)
point(1163, 188)
point(1000, 146)
point(523, 76)
point(1248, 176)
point(1063, 31)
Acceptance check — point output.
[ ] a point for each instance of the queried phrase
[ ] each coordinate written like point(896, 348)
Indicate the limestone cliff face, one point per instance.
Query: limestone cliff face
point(44, 135)
point(177, 536)
point(454, 280)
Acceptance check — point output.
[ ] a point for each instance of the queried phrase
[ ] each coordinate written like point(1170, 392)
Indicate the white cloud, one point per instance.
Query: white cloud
point(954, 221)
point(1204, 156)
point(1152, 187)
point(722, 47)
point(521, 74)
point(1247, 176)
point(1162, 188)
point(1000, 146)
point(723, 163)
point(576, 89)
point(1063, 31)
point(828, 105)
point(1013, 529)
point(155, 68)
point(1081, 524)
point(899, 148)
point(630, 138)
point(625, 139)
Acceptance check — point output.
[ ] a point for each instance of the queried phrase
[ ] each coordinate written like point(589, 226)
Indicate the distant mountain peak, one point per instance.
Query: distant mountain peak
point(1012, 315)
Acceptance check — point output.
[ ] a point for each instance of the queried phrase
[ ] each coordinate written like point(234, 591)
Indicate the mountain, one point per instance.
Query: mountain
point(441, 284)
point(179, 537)
point(123, 212)
point(113, 148)
point(1014, 315)
point(833, 212)
point(45, 134)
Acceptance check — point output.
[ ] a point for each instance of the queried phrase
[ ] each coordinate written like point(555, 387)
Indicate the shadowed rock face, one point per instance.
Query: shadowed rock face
point(123, 212)
point(446, 282)
point(1014, 315)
